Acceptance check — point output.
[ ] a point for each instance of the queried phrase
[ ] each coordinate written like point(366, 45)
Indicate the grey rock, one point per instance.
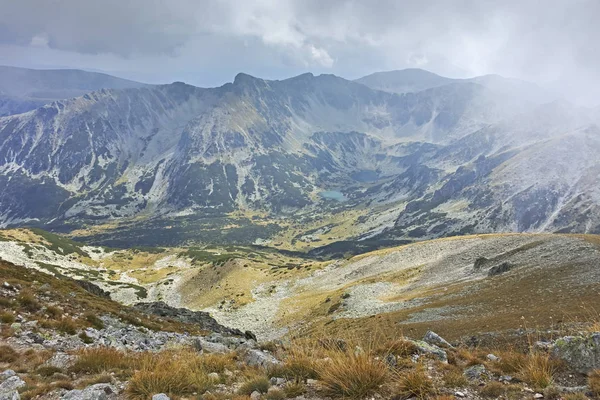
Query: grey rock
point(255, 395)
point(160, 396)
point(210, 347)
point(257, 358)
point(61, 360)
point(426, 348)
point(476, 372)
point(277, 381)
point(500, 269)
point(11, 383)
point(459, 394)
point(7, 374)
point(10, 386)
point(436, 340)
point(213, 376)
point(12, 395)
point(100, 391)
point(492, 357)
point(580, 353)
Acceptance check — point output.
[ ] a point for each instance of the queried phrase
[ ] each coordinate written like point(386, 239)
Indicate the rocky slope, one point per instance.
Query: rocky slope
point(453, 285)
point(58, 341)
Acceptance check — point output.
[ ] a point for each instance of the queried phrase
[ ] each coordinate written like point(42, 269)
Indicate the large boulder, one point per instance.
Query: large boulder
point(580, 353)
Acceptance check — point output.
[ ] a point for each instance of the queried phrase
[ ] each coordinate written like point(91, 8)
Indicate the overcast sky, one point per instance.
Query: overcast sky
point(206, 42)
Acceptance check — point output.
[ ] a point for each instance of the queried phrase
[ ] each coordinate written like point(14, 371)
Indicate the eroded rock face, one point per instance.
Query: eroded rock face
point(201, 318)
point(581, 353)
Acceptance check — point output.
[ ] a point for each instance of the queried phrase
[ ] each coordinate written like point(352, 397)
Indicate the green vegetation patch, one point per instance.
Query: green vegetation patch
point(59, 244)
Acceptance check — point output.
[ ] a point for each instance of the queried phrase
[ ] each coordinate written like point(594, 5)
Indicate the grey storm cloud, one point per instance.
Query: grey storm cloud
point(546, 41)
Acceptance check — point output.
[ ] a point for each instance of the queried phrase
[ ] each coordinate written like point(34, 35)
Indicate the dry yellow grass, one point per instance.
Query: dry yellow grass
point(102, 359)
point(538, 370)
point(354, 375)
point(594, 382)
point(414, 383)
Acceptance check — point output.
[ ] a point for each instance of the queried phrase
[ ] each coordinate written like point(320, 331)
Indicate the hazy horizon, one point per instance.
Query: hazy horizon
point(206, 43)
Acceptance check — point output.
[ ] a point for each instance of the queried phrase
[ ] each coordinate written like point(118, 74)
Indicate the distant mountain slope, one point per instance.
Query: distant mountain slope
point(23, 89)
point(413, 80)
point(209, 163)
point(408, 80)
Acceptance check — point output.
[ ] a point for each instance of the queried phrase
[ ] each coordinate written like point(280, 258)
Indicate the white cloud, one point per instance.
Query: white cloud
point(207, 41)
point(40, 40)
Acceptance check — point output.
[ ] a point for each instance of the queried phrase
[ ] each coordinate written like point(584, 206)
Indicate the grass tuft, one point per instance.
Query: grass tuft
point(259, 384)
point(7, 317)
point(174, 373)
point(594, 382)
point(538, 370)
point(101, 359)
point(93, 320)
point(415, 383)
point(8, 354)
point(28, 301)
point(352, 375)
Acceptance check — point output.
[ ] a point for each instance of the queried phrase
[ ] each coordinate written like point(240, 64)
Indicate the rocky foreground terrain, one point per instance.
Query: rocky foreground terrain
point(61, 338)
point(58, 341)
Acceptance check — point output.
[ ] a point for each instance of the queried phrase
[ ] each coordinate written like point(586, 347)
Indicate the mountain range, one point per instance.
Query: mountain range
point(304, 162)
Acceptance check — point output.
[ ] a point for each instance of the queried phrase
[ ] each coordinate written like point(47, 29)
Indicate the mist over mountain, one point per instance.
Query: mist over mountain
point(23, 89)
point(409, 154)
